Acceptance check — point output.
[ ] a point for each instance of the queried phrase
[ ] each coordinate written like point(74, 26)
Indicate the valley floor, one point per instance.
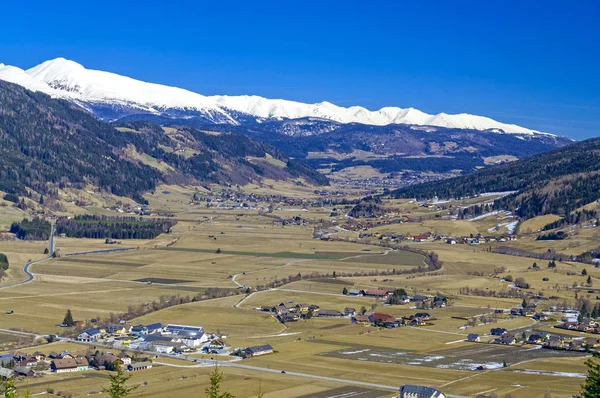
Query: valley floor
point(321, 356)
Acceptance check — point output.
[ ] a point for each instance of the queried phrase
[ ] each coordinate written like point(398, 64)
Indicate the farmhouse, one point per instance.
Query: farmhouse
point(125, 359)
point(39, 356)
point(379, 293)
point(24, 371)
point(361, 319)
point(376, 317)
point(67, 365)
point(89, 335)
point(473, 337)
point(258, 350)
point(330, 313)
point(506, 339)
point(349, 311)
point(412, 391)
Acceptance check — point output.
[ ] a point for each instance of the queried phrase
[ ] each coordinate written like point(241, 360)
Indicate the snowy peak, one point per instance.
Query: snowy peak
point(18, 76)
point(94, 89)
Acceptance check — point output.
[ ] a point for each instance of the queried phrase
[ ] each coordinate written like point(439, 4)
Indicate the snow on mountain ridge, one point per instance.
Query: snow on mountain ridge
point(67, 79)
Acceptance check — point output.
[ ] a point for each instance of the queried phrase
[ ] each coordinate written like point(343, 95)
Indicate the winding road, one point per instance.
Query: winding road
point(26, 267)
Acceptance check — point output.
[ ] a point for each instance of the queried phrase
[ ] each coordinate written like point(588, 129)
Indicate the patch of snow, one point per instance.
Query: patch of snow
point(485, 215)
point(511, 227)
point(354, 352)
point(550, 373)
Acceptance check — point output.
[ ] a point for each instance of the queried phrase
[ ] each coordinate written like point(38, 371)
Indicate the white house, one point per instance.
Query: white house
point(89, 335)
point(191, 336)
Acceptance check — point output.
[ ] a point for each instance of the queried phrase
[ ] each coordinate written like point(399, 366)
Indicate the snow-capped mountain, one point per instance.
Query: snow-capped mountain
point(111, 96)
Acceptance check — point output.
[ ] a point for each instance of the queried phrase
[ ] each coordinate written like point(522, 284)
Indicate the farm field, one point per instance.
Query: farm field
point(236, 250)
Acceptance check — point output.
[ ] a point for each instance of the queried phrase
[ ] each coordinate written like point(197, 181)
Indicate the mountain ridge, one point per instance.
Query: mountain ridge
point(111, 96)
point(50, 144)
point(559, 181)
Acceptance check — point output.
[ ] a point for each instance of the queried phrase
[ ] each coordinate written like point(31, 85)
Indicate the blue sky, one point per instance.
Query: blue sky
point(531, 63)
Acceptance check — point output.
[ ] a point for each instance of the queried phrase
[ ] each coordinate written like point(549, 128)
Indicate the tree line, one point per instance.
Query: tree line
point(35, 229)
point(100, 227)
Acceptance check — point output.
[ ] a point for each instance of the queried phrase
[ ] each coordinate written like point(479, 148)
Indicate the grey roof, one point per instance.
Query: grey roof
point(259, 348)
point(141, 365)
point(157, 339)
point(184, 331)
point(22, 369)
point(418, 391)
point(6, 373)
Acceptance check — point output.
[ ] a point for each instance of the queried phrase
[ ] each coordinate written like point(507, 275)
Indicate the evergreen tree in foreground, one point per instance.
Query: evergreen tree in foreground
point(117, 387)
point(591, 388)
point(214, 388)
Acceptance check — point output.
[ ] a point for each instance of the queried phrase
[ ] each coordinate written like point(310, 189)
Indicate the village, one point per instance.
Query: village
point(130, 348)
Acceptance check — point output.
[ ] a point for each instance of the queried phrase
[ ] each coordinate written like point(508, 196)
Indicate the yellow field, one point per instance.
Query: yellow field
point(255, 252)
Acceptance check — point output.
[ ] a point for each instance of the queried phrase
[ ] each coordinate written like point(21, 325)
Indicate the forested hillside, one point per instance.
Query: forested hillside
point(51, 141)
point(556, 182)
point(49, 144)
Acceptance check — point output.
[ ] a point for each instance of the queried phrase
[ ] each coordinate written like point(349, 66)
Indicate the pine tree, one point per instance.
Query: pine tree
point(8, 388)
point(117, 387)
point(591, 388)
point(584, 272)
point(589, 280)
point(214, 388)
point(345, 291)
point(524, 303)
point(68, 321)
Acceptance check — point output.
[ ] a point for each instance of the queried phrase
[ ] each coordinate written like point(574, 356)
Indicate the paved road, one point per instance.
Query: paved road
point(26, 267)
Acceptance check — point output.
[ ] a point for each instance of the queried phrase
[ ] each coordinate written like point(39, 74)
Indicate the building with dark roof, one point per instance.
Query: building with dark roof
point(412, 391)
point(258, 350)
point(191, 336)
point(89, 335)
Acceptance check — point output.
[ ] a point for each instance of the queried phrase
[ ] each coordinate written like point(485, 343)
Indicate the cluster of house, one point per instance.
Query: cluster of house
point(20, 364)
point(545, 339)
point(422, 301)
point(587, 325)
point(156, 337)
point(439, 237)
point(388, 321)
point(291, 312)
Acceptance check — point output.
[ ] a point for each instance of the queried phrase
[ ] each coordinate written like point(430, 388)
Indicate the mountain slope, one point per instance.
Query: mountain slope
point(556, 182)
point(48, 144)
point(110, 96)
point(393, 148)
